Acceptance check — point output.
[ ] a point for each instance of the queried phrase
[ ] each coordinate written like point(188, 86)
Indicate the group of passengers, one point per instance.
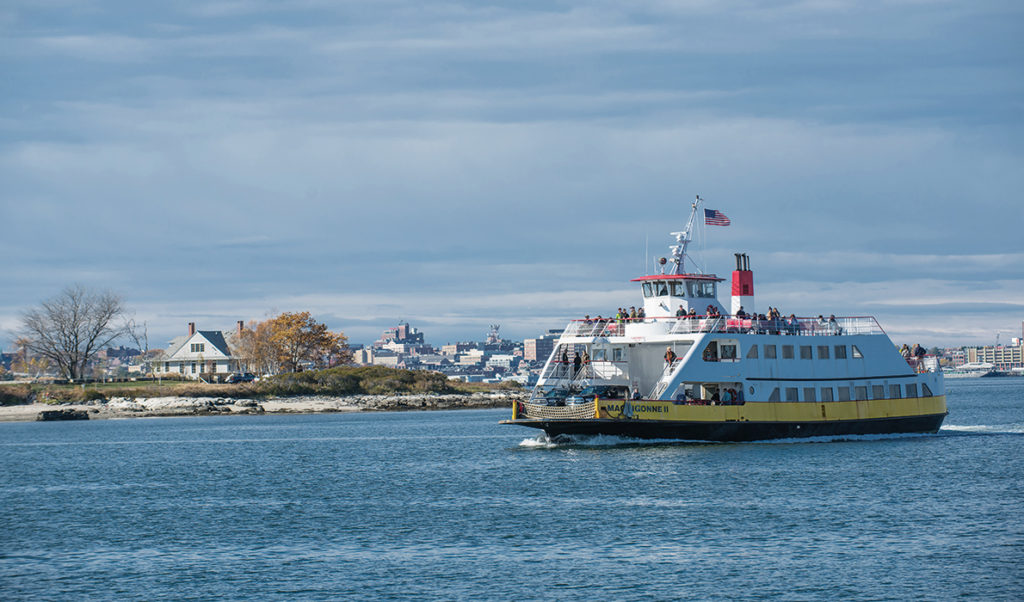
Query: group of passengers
point(912, 355)
point(579, 362)
point(728, 397)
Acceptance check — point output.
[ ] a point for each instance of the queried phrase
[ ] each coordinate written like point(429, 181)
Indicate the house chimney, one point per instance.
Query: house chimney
point(191, 328)
point(241, 326)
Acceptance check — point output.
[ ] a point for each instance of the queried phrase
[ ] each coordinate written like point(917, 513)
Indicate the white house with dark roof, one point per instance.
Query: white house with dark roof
point(201, 354)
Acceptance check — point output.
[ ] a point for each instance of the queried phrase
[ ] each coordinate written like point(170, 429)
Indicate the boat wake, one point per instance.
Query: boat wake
point(983, 429)
point(542, 441)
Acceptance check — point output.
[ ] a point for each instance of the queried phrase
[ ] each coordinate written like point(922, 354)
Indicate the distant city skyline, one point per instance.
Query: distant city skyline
point(455, 165)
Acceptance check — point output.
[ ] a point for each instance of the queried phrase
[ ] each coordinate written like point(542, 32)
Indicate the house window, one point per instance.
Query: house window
point(856, 352)
point(805, 352)
point(193, 367)
point(809, 394)
point(840, 352)
point(877, 392)
point(844, 393)
point(791, 394)
point(181, 368)
point(822, 352)
point(826, 394)
point(911, 390)
point(769, 352)
point(894, 391)
point(198, 347)
point(787, 352)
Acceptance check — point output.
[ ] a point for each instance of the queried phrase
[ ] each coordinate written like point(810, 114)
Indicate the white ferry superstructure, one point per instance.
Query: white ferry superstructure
point(726, 376)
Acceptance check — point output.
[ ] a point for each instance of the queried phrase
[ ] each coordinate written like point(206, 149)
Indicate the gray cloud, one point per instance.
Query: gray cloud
point(468, 154)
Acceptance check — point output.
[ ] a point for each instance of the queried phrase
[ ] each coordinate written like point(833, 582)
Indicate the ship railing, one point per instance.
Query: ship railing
point(805, 326)
point(666, 378)
point(575, 411)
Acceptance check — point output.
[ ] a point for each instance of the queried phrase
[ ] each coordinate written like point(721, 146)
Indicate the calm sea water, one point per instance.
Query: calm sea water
point(451, 505)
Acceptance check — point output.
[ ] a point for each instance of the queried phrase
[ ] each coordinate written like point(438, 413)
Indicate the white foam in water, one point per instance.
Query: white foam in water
point(985, 428)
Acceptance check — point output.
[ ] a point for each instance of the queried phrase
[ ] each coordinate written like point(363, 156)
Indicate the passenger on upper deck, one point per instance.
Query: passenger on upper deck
point(740, 313)
point(670, 356)
point(680, 312)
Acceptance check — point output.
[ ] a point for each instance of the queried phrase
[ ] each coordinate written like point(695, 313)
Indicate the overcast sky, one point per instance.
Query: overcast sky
point(456, 164)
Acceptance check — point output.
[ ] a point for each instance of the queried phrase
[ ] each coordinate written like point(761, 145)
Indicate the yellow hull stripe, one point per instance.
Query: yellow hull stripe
point(776, 411)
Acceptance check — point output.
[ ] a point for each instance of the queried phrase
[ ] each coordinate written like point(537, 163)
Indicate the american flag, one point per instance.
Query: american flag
point(713, 217)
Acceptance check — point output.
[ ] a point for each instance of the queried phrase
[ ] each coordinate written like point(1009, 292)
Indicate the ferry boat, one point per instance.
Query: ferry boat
point(688, 369)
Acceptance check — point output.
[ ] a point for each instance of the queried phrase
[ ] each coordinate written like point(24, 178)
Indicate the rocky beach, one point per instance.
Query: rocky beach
point(122, 407)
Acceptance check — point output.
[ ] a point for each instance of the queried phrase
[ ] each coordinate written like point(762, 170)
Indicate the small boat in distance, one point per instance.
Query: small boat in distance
point(685, 368)
point(969, 370)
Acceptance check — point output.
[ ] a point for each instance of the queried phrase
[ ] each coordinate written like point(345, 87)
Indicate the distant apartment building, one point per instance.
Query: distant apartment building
point(1004, 358)
point(539, 349)
point(457, 348)
point(403, 334)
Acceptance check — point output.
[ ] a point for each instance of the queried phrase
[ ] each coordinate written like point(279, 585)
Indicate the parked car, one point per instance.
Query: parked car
point(602, 391)
point(240, 378)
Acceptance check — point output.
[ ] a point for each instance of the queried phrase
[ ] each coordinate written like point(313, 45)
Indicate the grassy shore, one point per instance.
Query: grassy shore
point(340, 382)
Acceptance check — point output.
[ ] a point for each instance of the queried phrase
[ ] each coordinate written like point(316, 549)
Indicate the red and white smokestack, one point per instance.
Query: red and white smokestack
point(742, 285)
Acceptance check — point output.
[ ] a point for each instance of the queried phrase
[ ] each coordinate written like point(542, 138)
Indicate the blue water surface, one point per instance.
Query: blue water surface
point(451, 505)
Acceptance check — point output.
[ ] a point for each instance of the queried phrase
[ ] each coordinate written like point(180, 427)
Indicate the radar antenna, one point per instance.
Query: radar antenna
point(683, 240)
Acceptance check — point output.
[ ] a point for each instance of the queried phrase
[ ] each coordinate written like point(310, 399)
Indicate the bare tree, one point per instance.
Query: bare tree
point(72, 327)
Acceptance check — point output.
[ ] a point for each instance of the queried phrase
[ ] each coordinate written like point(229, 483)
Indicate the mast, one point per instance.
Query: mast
point(683, 239)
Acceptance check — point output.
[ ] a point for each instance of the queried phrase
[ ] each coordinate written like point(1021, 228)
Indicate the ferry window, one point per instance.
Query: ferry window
point(769, 352)
point(856, 352)
point(861, 393)
point(877, 392)
point(648, 290)
point(728, 352)
point(678, 289)
point(822, 352)
point(911, 390)
point(662, 289)
point(700, 288)
point(787, 352)
point(711, 352)
point(600, 355)
point(805, 352)
point(791, 394)
point(894, 391)
point(840, 352)
point(809, 394)
point(752, 353)
point(844, 393)
point(775, 395)
point(617, 354)
point(925, 391)
point(826, 394)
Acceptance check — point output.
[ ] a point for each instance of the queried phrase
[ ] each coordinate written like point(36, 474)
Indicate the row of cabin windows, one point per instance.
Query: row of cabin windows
point(687, 288)
point(806, 352)
point(860, 393)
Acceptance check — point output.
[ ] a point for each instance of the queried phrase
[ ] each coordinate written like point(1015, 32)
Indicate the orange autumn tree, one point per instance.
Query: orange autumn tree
point(291, 340)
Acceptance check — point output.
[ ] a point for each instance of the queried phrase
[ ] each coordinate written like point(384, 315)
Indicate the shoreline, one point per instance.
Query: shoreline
point(121, 407)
